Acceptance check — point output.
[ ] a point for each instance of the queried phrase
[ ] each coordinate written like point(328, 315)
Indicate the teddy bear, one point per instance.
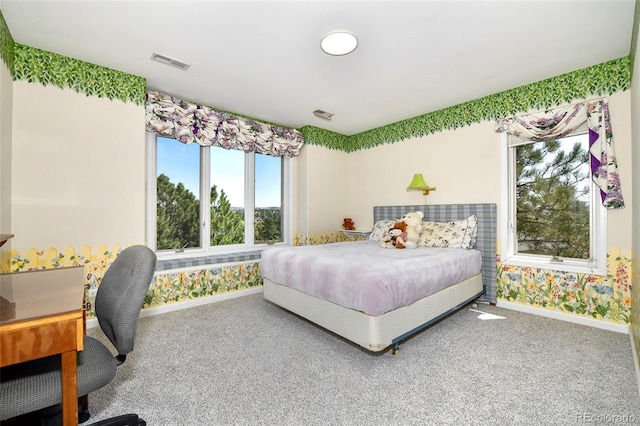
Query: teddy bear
point(398, 233)
point(348, 224)
point(396, 237)
point(414, 228)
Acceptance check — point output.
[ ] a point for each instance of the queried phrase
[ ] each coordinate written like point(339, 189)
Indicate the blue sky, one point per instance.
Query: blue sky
point(180, 162)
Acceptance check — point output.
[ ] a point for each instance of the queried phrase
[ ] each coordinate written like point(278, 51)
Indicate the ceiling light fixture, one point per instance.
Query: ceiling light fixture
point(339, 43)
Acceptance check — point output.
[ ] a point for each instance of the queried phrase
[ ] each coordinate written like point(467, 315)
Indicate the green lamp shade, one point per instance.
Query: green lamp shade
point(417, 183)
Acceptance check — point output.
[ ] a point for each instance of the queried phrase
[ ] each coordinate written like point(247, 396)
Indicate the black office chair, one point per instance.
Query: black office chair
point(35, 385)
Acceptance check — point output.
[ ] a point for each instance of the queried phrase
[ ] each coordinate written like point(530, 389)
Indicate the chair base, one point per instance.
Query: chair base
point(52, 416)
point(124, 420)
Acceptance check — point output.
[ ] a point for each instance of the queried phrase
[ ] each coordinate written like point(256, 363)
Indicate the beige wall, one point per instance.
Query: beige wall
point(323, 176)
point(6, 99)
point(619, 221)
point(78, 173)
point(635, 115)
point(462, 164)
point(465, 166)
point(300, 191)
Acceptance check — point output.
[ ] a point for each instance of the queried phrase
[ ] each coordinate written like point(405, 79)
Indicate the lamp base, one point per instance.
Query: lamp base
point(425, 191)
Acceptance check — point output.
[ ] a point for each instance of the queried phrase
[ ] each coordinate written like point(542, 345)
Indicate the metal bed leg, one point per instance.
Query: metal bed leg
point(394, 350)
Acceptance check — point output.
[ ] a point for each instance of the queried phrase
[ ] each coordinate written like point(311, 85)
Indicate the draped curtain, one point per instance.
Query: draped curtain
point(188, 122)
point(560, 122)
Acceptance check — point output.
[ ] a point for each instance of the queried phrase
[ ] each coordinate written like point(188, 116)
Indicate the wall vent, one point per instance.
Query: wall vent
point(163, 59)
point(323, 114)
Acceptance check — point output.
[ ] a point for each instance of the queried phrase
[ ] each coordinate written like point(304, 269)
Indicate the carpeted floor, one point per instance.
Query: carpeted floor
point(247, 362)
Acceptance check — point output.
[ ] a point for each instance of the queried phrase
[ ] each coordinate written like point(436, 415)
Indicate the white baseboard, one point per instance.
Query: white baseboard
point(91, 323)
point(606, 325)
point(636, 360)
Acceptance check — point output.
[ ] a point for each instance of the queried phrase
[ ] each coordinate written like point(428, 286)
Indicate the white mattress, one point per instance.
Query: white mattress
point(365, 277)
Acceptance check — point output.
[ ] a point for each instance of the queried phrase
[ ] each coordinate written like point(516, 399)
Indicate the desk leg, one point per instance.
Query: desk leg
point(69, 389)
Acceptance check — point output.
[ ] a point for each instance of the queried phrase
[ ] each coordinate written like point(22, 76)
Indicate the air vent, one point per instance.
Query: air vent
point(323, 114)
point(163, 59)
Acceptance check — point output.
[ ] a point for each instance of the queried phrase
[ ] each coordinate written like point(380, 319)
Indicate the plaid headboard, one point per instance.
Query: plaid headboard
point(487, 234)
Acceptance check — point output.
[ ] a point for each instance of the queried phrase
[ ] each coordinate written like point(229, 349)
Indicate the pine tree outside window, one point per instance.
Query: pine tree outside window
point(546, 194)
point(555, 219)
point(216, 182)
point(207, 198)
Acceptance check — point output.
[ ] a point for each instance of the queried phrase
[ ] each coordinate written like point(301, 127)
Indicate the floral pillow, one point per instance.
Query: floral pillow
point(381, 228)
point(454, 234)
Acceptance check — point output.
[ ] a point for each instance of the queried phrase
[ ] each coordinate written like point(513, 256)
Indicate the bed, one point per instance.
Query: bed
point(345, 287)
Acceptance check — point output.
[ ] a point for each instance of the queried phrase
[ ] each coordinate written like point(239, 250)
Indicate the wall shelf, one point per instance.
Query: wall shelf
point(353, 234)
point(4, 238)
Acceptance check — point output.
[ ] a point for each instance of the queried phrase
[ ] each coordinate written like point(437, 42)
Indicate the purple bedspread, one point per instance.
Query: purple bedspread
point(363, 276)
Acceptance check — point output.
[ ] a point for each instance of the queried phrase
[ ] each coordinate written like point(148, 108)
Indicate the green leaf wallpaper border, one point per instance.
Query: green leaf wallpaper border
point(326, 138)
point(6, 44)
point(35, 65)
point(602, 79)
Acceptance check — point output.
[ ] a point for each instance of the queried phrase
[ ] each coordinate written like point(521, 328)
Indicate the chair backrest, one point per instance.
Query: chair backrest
point(121, 295)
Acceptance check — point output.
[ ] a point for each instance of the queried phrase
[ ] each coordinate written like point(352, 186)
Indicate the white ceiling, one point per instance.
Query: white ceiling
point(263, 58)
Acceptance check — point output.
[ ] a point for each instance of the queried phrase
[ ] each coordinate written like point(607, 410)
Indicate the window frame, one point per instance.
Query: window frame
point(249, 207)
point(597, 265)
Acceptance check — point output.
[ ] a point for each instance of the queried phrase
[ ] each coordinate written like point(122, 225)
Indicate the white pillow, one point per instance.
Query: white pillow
point(453, 234)
point(381, 228)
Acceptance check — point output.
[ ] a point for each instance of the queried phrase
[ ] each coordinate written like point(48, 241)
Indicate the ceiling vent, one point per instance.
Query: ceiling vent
point(163, 59)
point(323, 114)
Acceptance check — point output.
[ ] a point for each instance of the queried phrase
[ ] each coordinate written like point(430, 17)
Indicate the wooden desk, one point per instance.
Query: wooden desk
point(41, 315)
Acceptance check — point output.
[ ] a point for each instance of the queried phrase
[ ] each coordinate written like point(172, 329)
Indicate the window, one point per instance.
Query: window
point(211, 199)
point(553, 218)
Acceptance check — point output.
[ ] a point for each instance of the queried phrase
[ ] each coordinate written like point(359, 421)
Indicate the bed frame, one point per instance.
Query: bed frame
point(378, 333)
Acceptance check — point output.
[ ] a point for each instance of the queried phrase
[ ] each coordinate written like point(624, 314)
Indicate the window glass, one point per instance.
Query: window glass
point(214, 199)
point(553, 198)
point(553, 215)
point(177, 195)
point(227, 209)
point(268, 199)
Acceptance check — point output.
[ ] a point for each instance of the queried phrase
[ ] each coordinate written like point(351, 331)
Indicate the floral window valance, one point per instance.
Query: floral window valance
point(188, 122)
point(561, 122)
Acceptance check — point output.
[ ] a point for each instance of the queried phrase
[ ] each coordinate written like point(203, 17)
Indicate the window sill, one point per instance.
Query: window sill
point(163, 265)
point(565, 266)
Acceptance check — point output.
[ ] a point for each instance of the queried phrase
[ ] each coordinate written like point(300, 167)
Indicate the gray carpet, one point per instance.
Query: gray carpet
point(246, 361)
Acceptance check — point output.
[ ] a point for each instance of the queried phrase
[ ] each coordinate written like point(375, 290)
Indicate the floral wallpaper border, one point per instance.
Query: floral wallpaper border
point(319, 238)
point(182, 286)
point(95, 260)
point(635, 308)
point(605, 298)
point(165, 288)
point(602, 79)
